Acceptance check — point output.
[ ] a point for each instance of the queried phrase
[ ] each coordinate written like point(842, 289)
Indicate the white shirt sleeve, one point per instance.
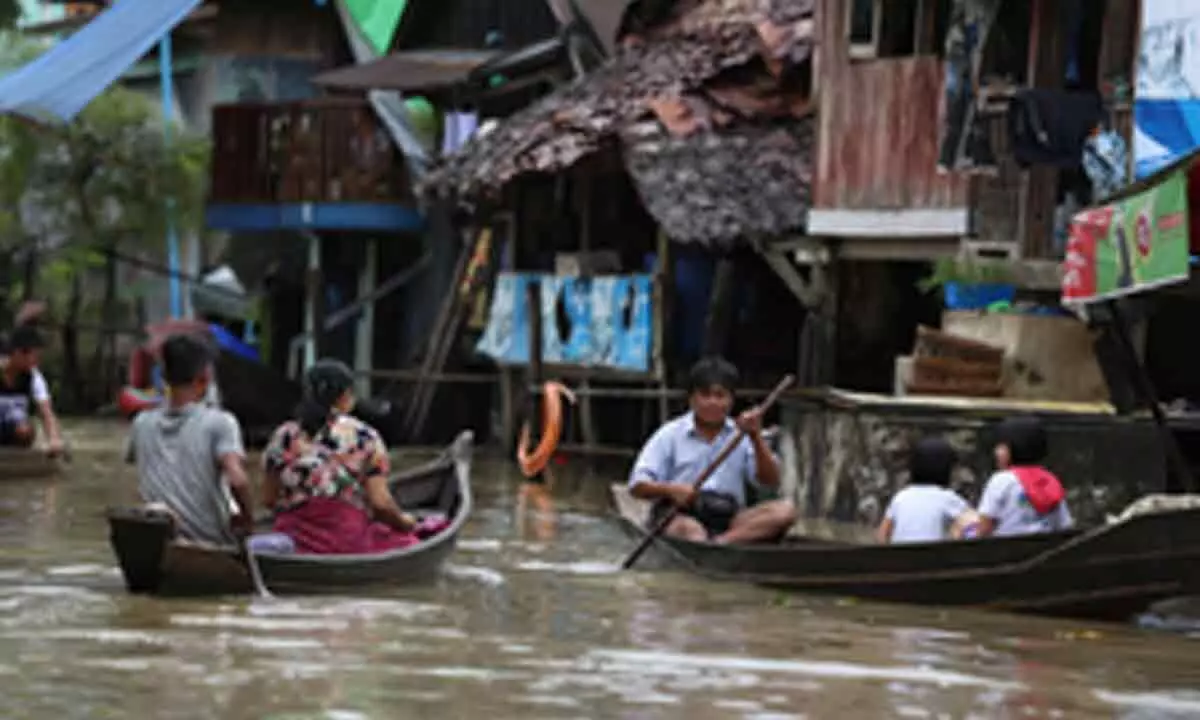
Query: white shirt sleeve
point(992, 503)
point(955, 505)
point(890, 512)
point(39, 389)
point(1062, 517)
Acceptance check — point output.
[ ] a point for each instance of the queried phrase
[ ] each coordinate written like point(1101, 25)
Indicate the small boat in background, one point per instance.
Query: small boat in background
point(258, 396)
point(18, 464)
point(1111, 572)
point(153, 562)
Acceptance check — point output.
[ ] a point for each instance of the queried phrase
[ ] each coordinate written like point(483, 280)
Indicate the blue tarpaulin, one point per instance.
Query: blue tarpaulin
point(60, 83)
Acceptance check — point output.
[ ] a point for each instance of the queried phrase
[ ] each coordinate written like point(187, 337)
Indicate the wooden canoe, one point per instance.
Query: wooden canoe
point(1103, 574)
point(26, 464)
point(153, 562)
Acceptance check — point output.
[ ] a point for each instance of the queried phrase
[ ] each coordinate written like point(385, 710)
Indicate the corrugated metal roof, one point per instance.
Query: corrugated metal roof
point(62, 81)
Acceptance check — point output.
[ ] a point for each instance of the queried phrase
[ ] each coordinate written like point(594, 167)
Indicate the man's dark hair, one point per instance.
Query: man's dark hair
point(711, 371)
point(1026, 440)
point(184, 358)
point(931, 462)
point(25, 337)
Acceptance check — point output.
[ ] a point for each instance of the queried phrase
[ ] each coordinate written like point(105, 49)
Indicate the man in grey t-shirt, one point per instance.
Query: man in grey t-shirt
point(183, 449)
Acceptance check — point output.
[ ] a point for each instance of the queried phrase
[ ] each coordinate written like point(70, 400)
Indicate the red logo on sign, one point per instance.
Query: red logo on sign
point(1144, 232)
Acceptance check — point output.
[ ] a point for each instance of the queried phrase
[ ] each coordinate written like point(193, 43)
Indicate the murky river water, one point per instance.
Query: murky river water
point(525, 625)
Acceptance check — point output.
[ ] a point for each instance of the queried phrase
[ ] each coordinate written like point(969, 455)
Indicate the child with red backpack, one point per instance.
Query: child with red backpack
point(1022, 497)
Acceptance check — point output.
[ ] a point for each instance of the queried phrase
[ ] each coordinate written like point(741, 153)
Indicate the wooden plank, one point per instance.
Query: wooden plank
point(441, 341)
point(882, 154)
point(808, 292)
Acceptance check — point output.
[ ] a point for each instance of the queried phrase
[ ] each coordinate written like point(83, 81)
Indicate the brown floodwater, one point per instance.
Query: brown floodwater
point(531, 620)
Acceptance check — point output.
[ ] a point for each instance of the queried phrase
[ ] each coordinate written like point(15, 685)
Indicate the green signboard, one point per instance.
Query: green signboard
point(1131, 245)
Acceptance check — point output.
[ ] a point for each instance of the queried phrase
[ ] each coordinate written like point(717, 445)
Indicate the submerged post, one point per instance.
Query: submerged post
point(166, 81)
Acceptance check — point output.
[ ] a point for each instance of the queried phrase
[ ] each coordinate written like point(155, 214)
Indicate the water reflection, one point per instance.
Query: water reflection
point(535, 510)
point(527, 623)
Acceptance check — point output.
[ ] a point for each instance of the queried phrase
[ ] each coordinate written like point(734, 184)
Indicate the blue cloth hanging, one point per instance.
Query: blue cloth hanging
point(63, 80)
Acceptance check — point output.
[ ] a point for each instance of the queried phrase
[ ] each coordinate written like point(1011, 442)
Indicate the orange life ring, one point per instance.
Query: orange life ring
point(534, 461)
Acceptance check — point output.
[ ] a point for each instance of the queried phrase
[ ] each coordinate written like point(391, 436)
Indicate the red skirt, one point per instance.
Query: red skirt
point(324, 526)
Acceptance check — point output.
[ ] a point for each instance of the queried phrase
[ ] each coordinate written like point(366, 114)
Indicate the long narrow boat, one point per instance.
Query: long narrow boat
point(18, 464)
point(1108, 573)
point(152, 561)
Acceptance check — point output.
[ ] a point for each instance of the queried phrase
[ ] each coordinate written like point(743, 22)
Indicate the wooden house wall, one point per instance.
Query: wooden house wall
point(279, 28)
point(878, 132)
point(467, 23)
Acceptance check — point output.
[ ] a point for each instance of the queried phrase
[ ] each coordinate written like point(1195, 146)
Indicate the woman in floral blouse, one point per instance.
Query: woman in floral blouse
point(327, 474)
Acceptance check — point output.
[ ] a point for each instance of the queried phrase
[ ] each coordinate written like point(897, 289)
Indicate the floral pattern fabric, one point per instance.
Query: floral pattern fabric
point(333, 465)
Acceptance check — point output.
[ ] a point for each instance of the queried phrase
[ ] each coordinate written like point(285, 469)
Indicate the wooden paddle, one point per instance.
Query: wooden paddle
point(726, 451)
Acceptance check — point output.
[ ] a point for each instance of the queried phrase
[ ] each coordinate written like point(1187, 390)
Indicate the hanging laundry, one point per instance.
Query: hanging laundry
point(1050, 127)
point(459, 128)
point(963, 145)
point(1105, 160)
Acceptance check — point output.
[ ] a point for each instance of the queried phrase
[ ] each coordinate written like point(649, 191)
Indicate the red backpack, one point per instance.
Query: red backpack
point(1042, 488)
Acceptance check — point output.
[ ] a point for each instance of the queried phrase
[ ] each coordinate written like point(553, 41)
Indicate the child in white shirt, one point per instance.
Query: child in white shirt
point(926, 508)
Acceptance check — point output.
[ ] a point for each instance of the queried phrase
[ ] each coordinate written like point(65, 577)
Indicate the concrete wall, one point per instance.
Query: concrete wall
point(850, 460)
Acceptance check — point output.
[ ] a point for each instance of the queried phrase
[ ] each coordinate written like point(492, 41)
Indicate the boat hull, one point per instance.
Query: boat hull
point(1106, 576)
point(17, 464)
point(153, 562)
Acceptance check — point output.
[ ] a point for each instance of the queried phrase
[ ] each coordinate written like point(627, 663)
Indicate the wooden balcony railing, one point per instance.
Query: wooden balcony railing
point(316, 151)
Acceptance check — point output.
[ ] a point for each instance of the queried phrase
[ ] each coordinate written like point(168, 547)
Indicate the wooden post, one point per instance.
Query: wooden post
point(587, 418)
point(720, 308)
point(506, 260)
point(659, 299)
point(364, 346)
point(1175, 458)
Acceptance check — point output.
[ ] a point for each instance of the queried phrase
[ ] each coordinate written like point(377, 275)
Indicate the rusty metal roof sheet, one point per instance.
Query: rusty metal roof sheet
point(718, 187)
point(697, 103)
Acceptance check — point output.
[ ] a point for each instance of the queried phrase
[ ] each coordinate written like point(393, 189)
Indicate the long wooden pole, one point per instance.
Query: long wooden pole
point(726, 451)
point(1145, 387)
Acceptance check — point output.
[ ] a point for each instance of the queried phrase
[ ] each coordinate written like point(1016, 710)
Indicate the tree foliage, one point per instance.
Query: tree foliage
point(109, 178)
point(73, 196)
point(10, 12)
